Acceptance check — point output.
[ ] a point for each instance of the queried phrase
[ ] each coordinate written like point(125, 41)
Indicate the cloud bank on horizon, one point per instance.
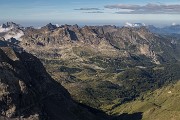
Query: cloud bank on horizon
point(146, 9)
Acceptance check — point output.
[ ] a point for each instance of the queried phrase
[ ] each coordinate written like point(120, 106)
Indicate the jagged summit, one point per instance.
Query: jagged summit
point(12, 24)
point(3, 26)
point(50, 26)
point(8, 26)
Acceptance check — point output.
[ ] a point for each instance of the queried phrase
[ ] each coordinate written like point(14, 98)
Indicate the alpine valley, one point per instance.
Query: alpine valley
point(67, 72)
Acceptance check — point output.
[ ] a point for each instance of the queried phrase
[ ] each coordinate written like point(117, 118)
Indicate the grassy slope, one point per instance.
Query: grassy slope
point(161, 104)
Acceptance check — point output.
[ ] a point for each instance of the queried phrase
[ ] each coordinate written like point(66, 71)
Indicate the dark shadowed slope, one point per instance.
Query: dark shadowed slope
point(27, 91)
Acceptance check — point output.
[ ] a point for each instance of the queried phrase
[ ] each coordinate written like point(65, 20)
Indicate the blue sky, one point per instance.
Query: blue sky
point(90, 11)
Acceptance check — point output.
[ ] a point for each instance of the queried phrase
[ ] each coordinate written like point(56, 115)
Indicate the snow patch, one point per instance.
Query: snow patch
point(4, 29)
point(11, 30)
point(57, 25)
point(127, 24)
point(16, 35)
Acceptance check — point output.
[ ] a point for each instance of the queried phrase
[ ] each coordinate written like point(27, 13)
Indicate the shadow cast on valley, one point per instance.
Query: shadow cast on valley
point(103, 116)
point(126, 116)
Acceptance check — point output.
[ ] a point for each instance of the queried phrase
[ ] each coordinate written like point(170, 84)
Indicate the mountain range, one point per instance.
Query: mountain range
point(103, 69)
point(166, 30)
point(173, 29)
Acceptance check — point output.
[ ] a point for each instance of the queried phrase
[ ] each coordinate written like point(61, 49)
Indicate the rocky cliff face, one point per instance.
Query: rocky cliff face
point(28, 92)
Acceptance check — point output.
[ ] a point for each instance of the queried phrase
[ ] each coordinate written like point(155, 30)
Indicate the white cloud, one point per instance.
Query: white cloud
point(146, 9)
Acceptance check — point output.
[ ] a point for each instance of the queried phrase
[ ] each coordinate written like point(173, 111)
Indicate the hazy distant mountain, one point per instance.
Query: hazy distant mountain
point(173, 29)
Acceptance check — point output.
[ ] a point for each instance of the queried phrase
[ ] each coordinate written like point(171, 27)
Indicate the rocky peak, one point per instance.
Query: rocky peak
point(3, 26)
point(12, 25)
point(50, 26)
point(72, 27)
point(76, 26)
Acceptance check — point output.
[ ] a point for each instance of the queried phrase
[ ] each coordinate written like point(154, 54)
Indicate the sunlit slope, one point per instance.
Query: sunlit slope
point(162, 104)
